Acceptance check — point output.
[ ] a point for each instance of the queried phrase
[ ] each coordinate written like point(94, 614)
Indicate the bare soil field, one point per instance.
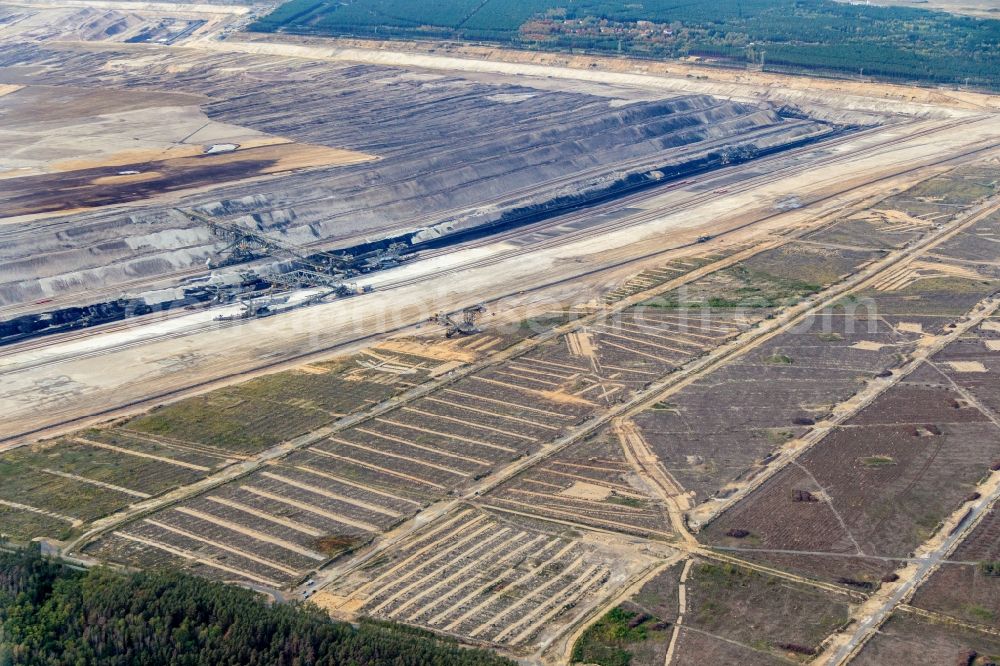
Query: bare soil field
point(965, 587)
point(654, 611)
point(912, 640)
point(719, 428)
point(904, 217)
point(590, 484)
point(655, 276)
point(408, 457)
point(729, 613)
point(973, 365)
point(349, 486)
point(478, 576)
point(976, 248)
point(923, 305)
point(874, 488)
point(705, 446)
point(695, 648)
point(759, 611)
point(279, 524)
point(263, 412)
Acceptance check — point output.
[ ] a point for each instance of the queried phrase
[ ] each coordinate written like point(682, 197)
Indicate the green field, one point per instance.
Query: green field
point(813, 35)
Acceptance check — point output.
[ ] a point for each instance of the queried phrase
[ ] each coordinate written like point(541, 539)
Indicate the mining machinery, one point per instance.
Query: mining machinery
point(246, 245)
point(305, 269)
point(391, 256)
point(468, 324)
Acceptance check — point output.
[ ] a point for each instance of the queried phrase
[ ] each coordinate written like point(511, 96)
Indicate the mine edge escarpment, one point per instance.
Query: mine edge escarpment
point(664, 141)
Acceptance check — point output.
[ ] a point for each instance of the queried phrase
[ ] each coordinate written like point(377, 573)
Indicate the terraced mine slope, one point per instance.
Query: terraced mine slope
point(362, 153)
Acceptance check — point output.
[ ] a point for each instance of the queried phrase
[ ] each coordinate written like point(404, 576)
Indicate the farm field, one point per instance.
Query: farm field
point(693, 646)
point(965, 587)
point(705, 445)
point(347, 487)
point(794, 380)
point(759, 611)
point(360, 481)
point(430, 448)
point(904, 217)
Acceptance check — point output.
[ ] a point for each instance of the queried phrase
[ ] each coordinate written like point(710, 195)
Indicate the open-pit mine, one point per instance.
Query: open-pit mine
point(508, 346)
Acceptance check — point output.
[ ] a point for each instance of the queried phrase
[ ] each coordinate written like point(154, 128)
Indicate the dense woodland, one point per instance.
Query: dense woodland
point(53, 616)
point(822, 36)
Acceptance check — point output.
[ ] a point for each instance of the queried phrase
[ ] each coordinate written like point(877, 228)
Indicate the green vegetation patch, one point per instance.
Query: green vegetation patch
point(634, 502)
point(990, 568)
point(980, 613)
point(46, 488)
point(740, 286)
point(607, 641)
point(255, 415)
point(779, 359)
point(538, 324)
point(877, 461)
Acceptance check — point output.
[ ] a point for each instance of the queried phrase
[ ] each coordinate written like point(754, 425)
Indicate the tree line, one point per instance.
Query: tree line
point(894, 43)
point(52, 615)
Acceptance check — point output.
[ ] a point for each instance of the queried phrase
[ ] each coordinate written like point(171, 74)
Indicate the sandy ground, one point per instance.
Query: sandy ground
point(671, 75)
point(70, 379)
point(70, 20)
point(981, 8)
point(126, 5)
point(48, 129)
